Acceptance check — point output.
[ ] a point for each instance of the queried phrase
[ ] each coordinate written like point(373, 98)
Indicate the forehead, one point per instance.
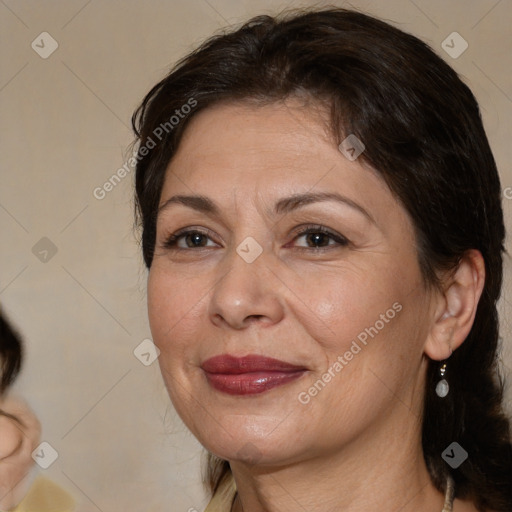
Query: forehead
point(269, 144)
point(243, 136)
point(255, 155)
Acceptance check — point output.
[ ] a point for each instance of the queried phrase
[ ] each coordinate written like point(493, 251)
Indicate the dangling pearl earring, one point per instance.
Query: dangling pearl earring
point(442, 387)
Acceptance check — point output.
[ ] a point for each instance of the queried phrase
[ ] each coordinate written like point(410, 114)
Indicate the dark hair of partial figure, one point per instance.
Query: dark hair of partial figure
point(423, 133)
point(11, 352)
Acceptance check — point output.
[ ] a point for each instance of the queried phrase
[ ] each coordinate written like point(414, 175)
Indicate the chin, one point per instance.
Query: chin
point(253, 444)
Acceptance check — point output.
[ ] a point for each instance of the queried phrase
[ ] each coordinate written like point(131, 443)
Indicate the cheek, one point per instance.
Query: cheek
point(157, 310)
point(346, 305)
point(177, 313)
point(170, 309)
point(170, 300)
point(369, 315)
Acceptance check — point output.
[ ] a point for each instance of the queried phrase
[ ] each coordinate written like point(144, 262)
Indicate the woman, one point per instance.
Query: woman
point(20, 433)
point(322, 225)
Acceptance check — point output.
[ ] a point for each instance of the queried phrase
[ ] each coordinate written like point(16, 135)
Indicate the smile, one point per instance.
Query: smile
point(250, 383)
point(247, 375)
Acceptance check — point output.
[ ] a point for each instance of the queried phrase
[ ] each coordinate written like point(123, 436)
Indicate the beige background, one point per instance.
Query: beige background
point(65, 130)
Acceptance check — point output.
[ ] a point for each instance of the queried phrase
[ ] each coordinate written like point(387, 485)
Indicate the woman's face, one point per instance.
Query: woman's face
point(347, 308)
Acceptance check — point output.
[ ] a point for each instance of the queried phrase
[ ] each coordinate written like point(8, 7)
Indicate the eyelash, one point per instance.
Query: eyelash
point(171, 242)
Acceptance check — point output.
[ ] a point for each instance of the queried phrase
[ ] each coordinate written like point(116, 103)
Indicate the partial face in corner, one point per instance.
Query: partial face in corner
point(327, 283)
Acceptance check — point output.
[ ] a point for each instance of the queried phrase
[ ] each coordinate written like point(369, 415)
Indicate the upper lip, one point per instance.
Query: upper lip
point(229, 364)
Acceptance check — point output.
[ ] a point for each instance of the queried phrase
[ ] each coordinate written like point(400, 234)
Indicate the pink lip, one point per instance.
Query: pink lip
point(250, 374)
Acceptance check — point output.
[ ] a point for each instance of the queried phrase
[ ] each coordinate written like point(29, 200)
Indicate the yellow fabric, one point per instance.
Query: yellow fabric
point(46, 496)
point(222, 500)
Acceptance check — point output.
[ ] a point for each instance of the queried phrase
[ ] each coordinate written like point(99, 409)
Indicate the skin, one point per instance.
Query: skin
point(356, 445)
point(17, 442)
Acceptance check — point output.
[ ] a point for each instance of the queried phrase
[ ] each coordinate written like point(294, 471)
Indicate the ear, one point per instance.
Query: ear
point(456, 307)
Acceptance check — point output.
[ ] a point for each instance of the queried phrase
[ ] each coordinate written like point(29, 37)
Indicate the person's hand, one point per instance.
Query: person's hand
point(18, 439)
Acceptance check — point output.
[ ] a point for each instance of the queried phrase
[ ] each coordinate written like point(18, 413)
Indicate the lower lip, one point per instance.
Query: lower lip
point(250, 383)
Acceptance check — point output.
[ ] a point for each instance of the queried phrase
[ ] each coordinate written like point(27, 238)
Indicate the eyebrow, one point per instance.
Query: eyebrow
point(284, 205)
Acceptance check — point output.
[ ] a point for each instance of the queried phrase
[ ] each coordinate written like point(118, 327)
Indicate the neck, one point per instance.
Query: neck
point(348, 480)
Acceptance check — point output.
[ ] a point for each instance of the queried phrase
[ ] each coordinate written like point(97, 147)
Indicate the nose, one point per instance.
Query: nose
point(247, 293)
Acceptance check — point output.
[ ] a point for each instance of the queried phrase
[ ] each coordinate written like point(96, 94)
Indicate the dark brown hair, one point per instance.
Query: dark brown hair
point(423, 133)
point(11, 354)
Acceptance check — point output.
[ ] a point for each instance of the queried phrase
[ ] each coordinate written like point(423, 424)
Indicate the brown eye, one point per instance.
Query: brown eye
point(193, 239)
point(318, 237)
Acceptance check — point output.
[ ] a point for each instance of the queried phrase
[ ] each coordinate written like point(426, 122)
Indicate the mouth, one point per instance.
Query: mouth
point(249, 375)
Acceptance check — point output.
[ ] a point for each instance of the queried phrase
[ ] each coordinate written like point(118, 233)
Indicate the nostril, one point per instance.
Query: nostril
point(253, 317)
